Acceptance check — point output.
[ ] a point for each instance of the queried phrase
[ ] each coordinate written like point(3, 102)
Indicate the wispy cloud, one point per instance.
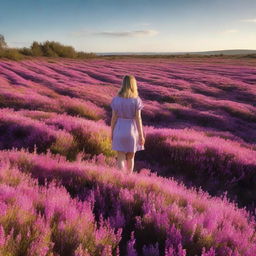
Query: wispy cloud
point(133, 33)
point(249, 20)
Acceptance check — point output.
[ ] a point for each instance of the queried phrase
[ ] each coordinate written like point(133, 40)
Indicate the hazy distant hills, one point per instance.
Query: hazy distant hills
point(225, 52)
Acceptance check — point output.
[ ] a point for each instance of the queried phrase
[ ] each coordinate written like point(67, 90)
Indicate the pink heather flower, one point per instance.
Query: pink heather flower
point(131, 251)
point(2, 236)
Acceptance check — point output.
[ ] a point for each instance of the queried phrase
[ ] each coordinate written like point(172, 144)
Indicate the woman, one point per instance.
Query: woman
point(126, 125)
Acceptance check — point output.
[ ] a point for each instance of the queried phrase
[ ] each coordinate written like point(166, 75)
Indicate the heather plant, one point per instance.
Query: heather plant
point(205, 157)
point(157, 215)
point(199, 120)
point(19, 131)
point(60, 134)
point(38, 220)
point(77, 107)
point(91, 137)
point(193, 97)
point(222, 164)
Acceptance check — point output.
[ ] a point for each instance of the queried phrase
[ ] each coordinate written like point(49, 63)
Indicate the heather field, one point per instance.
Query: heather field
point(193, 192)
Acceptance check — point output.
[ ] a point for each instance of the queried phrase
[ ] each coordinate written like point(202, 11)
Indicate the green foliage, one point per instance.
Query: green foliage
point(55, 49)
point(25, 51)
point(3, 44)
point(11, 53)
point(85, 55)
point(93, 143)
point(81, 110)
point(45, 49)
point(36, 49)
point(66, 146)
point(60, 50)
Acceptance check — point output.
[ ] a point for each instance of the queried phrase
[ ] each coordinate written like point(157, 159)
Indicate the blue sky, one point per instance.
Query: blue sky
point(131, 25)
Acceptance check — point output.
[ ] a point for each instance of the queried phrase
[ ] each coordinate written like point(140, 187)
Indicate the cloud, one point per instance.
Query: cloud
point(249, 20)
point(134, 33)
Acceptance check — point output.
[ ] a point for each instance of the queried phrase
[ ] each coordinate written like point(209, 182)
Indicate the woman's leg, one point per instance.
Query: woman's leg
point(121, 160)
point(130, 161)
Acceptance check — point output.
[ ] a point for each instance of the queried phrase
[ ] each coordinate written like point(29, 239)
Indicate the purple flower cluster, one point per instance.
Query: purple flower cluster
point(60, 193)
point(140, 214)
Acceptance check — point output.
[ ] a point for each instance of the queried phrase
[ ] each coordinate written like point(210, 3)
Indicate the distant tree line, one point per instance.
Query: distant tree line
point(47, 49)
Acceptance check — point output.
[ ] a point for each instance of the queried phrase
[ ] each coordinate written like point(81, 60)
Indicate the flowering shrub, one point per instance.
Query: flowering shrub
point(60, 192)
point(157, 215)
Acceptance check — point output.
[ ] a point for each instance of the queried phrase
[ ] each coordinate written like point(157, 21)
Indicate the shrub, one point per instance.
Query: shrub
point(11, 53)
point(38, 220)
point(83, 55)
point(36, 49)
point(155, 214)
point(25, 51)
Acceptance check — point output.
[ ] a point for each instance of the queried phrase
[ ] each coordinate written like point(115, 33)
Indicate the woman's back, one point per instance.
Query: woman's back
point(126, 107)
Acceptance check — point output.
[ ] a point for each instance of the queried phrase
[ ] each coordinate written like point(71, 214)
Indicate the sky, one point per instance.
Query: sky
point(131, 25)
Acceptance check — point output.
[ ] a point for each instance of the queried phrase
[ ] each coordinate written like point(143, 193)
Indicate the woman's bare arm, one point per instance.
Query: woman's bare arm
point(113, 122)
point(139, 123)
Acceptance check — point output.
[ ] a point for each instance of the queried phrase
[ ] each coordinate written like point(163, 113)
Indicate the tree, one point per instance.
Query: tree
point(3, 44)
point(47, 49)
point(36, 49)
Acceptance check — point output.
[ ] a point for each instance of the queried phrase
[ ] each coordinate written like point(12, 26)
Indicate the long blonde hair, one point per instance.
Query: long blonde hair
point(129, 87)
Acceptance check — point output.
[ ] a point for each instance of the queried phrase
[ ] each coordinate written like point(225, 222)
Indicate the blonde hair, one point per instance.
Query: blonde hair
point(129, 87)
